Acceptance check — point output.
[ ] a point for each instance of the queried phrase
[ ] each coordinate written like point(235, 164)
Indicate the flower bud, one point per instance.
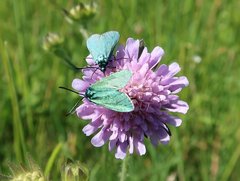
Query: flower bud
point(75, 171)
point(81, 12)
point(52, 40)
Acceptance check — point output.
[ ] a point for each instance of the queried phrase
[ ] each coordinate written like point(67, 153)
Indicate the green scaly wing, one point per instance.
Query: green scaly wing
point(117, 80)
point(112, 99)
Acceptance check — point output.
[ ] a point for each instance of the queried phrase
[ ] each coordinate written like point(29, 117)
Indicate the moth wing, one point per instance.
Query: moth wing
point(113, 99)
point(102, 45)
point(111, 39)
point(95, 46)
point(116, 80)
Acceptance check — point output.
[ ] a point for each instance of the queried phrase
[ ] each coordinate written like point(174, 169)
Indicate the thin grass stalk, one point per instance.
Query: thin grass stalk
point(52, 159)
point(21, 68)
point(231, 164)
point(18, 134)
point(180, 166)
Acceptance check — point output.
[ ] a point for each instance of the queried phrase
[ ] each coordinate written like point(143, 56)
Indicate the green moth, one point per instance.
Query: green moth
point(101, 47)
point(105, 92)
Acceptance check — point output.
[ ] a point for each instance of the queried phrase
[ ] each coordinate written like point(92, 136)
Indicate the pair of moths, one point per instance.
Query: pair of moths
point(105, 92)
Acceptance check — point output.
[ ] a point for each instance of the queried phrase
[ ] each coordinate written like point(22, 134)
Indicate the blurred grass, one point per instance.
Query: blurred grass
point(205, 147)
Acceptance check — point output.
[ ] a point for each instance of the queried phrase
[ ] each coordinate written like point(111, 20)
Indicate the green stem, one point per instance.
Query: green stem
point(231, 164)
point(21, 67)
point(52, 159)
point(179, 153)
point(123, 173)
point(19, 141)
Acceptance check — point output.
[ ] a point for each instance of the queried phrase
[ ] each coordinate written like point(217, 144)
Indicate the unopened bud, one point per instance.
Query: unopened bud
point(81, 12)
point(75, 171)
point(51, 40)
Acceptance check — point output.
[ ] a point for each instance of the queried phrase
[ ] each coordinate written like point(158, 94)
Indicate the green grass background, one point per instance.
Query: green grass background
point(32, 107)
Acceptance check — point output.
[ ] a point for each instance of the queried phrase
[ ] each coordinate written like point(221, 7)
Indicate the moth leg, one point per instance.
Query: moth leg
point(82, 68)
point(95, 71)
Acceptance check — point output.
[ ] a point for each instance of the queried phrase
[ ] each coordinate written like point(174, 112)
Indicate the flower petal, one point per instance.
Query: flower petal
point(165, 140)
point(85, 111)
point(90, 60)
point(144, 70)
point(114, 135)
point(131, 146)
point(93, 126)
point(179, 106)
point(132, 46)
point(121, 151)
point(145, 57)
point(177, 85)
point(112, 144)
point(156, 56)
point(175, 121)
point(100, 138)
point(140, 148)
point(162, 70)
point(173, 69)
point(80, 85)
point(163, 136)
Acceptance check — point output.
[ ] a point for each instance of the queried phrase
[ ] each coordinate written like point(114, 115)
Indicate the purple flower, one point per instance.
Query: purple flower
point(153, 92)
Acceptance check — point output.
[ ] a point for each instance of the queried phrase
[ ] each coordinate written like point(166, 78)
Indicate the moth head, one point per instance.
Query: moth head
point(89, 93)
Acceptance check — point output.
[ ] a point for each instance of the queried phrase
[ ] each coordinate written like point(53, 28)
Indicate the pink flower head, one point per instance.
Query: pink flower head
point(153, 92)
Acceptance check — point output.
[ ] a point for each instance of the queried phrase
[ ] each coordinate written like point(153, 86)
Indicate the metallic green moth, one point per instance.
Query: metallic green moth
point(105, 92)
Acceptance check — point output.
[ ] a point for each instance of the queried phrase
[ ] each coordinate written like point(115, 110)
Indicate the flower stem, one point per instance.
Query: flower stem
point(123, 173)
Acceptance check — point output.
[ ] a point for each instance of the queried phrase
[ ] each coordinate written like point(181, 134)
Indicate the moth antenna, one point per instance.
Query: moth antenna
point(82, 68)
point(65, 88)
point(74, 107)
point(115, 59)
